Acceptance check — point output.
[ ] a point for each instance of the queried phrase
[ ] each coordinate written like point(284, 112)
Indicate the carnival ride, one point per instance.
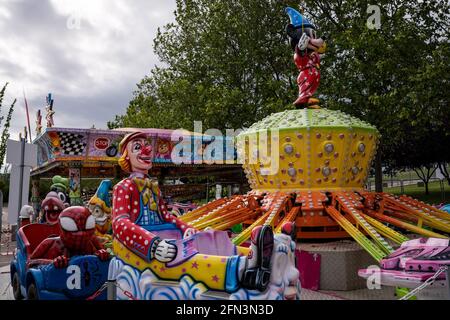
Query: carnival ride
point(158, 256)
point(83, 154)
point(309, 166)
point(39, 279)
point(306, 167)
point(415, 263)
point(324, 158)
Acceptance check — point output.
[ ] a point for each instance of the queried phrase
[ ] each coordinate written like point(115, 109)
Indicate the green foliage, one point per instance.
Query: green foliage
point(4, 186)
point(5, 133)
point(438, 193)
point(228, 63)
point(395, 78)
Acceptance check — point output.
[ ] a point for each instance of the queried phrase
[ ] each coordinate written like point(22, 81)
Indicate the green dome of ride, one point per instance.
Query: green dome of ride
point(303, 118)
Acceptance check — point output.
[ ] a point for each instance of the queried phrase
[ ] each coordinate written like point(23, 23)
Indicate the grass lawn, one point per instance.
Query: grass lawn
point(435, 196)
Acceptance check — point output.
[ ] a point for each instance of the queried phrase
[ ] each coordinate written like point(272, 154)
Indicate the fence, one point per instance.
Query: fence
point(406, 185)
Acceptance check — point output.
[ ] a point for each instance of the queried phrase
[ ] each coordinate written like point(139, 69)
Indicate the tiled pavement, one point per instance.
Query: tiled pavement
point(5, 287)
point(385, 293)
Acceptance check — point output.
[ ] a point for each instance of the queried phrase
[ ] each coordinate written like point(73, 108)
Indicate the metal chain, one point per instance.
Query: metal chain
point(98, 292)
point(428, 282)
point(125, 292)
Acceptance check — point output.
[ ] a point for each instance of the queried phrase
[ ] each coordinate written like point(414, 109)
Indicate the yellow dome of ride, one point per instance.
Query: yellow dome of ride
point(310, 149)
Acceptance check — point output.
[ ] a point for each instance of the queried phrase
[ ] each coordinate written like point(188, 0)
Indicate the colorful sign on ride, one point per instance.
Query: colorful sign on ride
point(93, 145)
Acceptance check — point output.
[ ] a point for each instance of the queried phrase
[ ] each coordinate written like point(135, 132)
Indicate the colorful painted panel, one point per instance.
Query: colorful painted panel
point(66, 144)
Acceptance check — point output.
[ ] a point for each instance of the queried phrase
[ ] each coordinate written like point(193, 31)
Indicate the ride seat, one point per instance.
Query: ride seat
point(33, 234)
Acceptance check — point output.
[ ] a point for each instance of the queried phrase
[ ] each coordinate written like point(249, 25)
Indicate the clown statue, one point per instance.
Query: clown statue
point(152, 241)
point(307, 49)
point(100, 207)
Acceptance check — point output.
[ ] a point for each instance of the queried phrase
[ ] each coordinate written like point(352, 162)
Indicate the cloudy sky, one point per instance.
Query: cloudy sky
point(88, 53)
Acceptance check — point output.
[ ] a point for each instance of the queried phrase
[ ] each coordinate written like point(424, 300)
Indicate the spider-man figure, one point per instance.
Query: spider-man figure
point(77, 227)
point(307, 47)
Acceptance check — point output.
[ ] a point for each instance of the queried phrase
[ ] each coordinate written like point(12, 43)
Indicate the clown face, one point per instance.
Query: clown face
point(77, 228)
point(140, 155)
point(101, 218)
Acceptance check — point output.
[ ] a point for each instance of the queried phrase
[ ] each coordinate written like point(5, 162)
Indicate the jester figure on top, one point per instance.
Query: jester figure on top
point(307, 49)
point(151, 244)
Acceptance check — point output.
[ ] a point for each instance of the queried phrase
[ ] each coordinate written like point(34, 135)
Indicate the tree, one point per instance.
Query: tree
point(6, 125)
point(444, 170)
point(228, 64)
point(395, 77)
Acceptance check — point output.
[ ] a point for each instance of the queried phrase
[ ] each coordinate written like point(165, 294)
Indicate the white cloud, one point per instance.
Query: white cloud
point(89, 54)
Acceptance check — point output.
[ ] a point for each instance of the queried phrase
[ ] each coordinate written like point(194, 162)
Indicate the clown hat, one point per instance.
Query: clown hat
point(297, 20)
point(128, 138)
point(102, 197)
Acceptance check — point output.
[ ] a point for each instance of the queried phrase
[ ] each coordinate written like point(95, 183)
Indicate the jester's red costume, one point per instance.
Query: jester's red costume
point(307, 47)
point(308, 63)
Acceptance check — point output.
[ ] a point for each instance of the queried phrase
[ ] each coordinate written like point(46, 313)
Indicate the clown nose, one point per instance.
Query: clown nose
point(147, 150)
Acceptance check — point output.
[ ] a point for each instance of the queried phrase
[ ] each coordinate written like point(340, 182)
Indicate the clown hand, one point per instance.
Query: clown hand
point(303, 42)
point(165, 251)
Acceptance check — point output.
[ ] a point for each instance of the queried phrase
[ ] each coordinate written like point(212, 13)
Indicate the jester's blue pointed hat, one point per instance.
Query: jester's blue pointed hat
point(102, 197)
point(297, 19)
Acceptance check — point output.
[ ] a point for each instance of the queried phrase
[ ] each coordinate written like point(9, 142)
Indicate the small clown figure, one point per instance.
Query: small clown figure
point(100, 207)
point(147, 236)
point(307, 49)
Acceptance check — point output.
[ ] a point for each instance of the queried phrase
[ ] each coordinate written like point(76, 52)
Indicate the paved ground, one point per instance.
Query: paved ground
point(5, 287)
point(7, 247)
point(6, 244)
point(386, 293)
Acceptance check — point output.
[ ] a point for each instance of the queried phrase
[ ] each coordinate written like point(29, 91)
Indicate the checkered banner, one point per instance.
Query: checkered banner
point(72, 144)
